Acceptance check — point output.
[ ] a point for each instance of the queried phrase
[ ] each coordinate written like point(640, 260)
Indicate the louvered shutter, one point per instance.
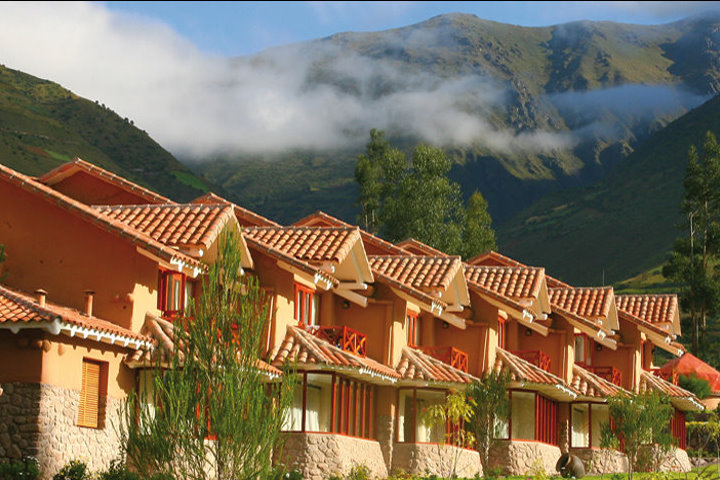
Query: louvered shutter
point(90, 394)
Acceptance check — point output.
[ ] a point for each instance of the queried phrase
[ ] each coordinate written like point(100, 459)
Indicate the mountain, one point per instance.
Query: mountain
point(43, 125)
point(622, 225)
point(523, 111)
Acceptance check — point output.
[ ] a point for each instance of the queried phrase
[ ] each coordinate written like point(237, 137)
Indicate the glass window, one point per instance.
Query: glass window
point(523, 415)
point(146, 394)
point(501, 332)
point(427, 433)
point(293, 417)
point(405, 416)
point(580, 425)
point(306, 305)
point(318, 402)
point(600, 415)
point(411, 328)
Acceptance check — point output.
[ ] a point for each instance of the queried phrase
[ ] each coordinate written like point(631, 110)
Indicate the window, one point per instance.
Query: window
point(93, 391)
point(146, 394)
point(599, 415)
point(410, 428)
point(306, 305)
point(546, 420)
point(580, 425)
point(582, 349)
point(501, 332)
point(411, 326)
point(171, 293)
point(522, 413)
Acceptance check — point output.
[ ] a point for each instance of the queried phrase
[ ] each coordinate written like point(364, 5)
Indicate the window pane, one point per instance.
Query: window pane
point(405, 416)
point(177, 288)
point(523, 415)
point(293, 418)
point(423, 432)
point(305, 308)
point(600, 416)
point(298, 301)
point(315, 302)
point(318, 409)
point(580, 425)
point(146, 395)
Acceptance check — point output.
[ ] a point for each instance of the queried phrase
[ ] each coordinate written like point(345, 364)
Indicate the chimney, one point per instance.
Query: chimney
point(88, 302)
point(41, 295)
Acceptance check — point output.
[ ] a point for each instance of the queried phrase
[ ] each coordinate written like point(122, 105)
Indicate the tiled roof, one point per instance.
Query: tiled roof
point(524, 371)
point(245, 217)
point(373, 243)
point(650, 382)
point(591, 385)
point(311, 244)
point(162, 333)
point(20, 310)
point(417, 271)
point(416, 247)
point(492, 258)
point(310, 351)
point(172, 224)
point(416, 365)
point(512, 282)
point(650, 308)
point(588, 302)
point(113, 226)
point(66, 169)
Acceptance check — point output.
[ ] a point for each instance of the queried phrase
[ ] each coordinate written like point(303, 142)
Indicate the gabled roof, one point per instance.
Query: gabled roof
point(312, 244)
point(71, 168)
point(374, 245)
point(104, 222)
point(20, 311)
point(659, 310)
point(690, 365)
point(594, 303)
point(528, 375)
point(679, 397)
point(423, 272)
point(416, 247)
point(415, 366)
point(511, 282)
point(492, 258)
point(591, 385)
point(310, 352)
point(660, 337)
point(245, 217)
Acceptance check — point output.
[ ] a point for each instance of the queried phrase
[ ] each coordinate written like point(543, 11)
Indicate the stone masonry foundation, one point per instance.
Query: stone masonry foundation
point(434, 459)
point(601, 461)
point(41, 421)
point(319, 455)
point(517, 457)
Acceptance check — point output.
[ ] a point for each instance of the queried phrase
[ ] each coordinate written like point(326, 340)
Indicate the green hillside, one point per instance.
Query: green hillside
point(43, 125)
point(623, 225)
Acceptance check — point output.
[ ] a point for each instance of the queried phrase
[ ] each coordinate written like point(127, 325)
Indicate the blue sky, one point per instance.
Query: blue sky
point(241, 28)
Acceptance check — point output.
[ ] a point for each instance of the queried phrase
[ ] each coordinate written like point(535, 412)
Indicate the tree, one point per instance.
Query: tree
point(368, 173)
point(479, 235)
point(637, 420)
point(215, 415)
point(699, 386)
point(693, 260)
point(490, 407)
point(455, 413)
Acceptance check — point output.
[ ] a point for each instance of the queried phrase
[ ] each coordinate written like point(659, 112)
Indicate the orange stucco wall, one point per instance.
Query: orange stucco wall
point(48, 247)
point(552, 345)
point(90, 190)
point(21, 357)
point(471, 341)
point(370, 320)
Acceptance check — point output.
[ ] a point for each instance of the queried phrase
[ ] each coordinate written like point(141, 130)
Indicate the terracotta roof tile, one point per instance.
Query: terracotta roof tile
point(245, 217)
point(310, 351)
point(588, 302)
point(417, 271)
point(416, 365)
point(492, 258)
point(591, 385)
point(66, 169)
point(650, 382)
point(312, 244)
point(512, 282)
point(18, 308)
point(172, 224)
point(93, 216)
point(524, 371)
point(650, 308)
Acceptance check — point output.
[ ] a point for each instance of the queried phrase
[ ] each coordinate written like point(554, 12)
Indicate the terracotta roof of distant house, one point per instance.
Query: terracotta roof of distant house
point(589, 302)
point(323, 219)
point(162, 333)
point(416, 247)
point(492, 258)
point(656, 309)
point(650, 382)
point(66, 169)
point(246, 217)
point(111, 225)
point(172, 224)
point(18, 310)
point(524, 371)
point(417, 271)
point(512, 282)
point(310, 351)
point(416, 365)
point(311, 244)
point(592, 385)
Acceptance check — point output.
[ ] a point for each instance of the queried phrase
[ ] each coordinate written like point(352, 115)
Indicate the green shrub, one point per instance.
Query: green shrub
point(698, 386)
point(118, 471)
point(359, 472)
point(25, 469)
point(74, 470)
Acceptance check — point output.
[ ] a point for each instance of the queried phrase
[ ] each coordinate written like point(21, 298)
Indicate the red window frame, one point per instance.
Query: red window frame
point(587, 354)
point(304, 304)
point(501, 332)
point(170, 284)
point(413, 337)
point(546, 419)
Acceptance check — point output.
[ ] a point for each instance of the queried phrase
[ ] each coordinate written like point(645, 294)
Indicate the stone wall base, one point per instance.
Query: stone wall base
point(41, 421)
point(319, 455)
point(601, 461)
point(434, 459)
point(517, 457)
point(676, 460)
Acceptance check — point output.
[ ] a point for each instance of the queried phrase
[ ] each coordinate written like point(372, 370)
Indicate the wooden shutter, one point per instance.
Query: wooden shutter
point(91, 394)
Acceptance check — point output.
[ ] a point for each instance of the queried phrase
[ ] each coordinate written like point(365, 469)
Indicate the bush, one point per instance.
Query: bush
point(25, 469)
point(359, 472)
point(118, 471)
point(698, 386)
point(74, 470)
